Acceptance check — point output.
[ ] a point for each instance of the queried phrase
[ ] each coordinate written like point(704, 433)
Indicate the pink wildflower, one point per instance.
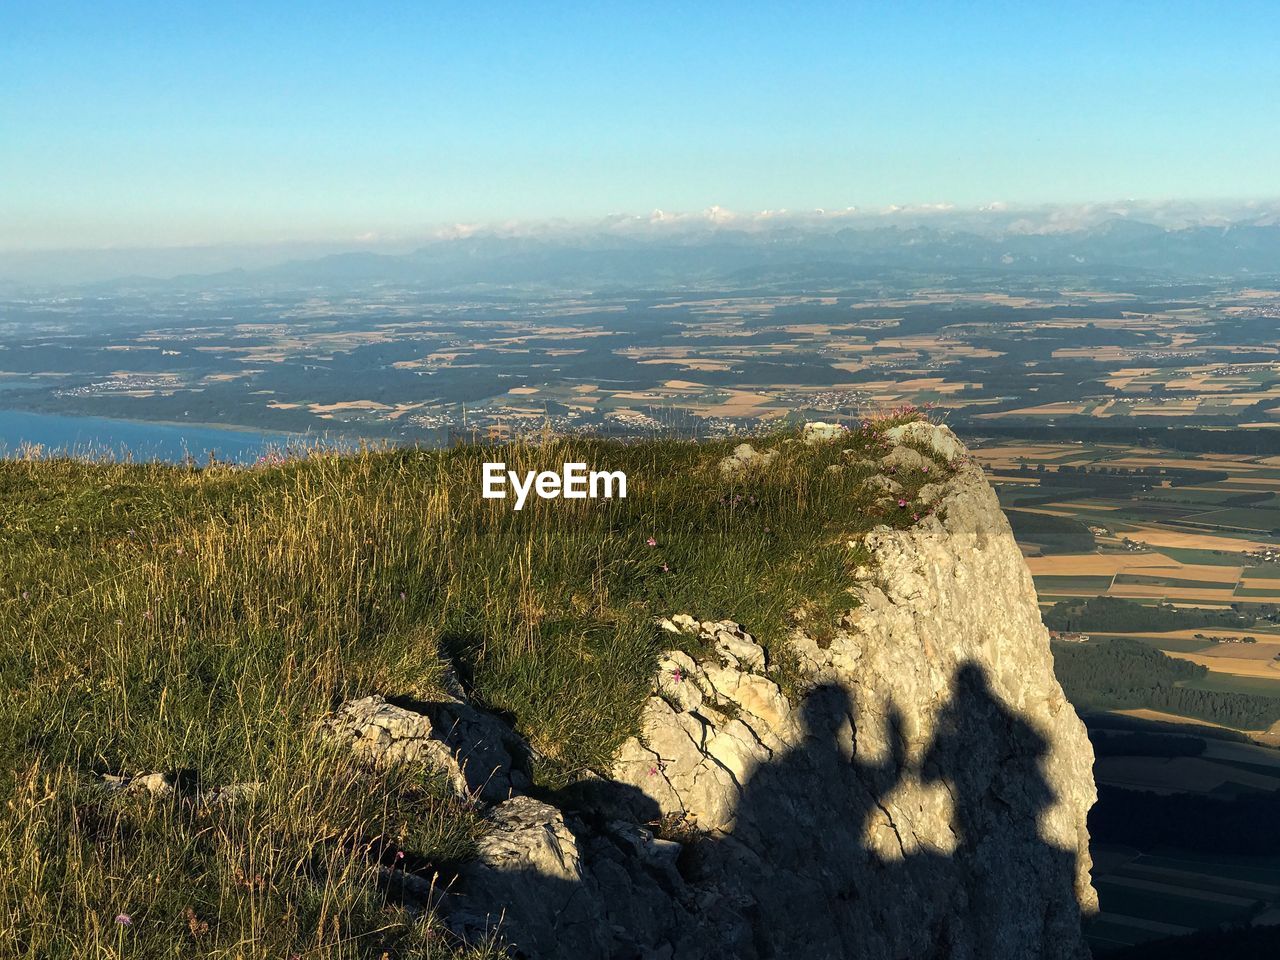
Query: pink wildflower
point(652, 542)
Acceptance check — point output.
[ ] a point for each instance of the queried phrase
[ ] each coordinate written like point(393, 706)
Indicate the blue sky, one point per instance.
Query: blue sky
point(191, 122)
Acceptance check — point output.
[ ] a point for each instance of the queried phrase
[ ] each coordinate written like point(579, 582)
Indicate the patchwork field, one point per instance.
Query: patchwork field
point(1163, 890)
point(1147, 896)
point(1156, 528)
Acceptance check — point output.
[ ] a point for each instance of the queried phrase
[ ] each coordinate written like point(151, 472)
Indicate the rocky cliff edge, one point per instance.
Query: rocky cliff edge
point(925, 796)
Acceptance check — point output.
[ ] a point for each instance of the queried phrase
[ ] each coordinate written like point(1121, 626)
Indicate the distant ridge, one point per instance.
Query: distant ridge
point(753, 252)
point(1121, 246)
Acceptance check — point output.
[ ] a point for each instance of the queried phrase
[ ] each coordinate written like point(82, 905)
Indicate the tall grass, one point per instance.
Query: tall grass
point(204, 620)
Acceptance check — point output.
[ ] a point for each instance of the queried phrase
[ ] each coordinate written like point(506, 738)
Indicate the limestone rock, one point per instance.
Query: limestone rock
point(816, 432)
point(185, 785)
point(732, 642)
point(744, 459)
point(153, 784)
point(943, 442)
point(526, 881)
point(685, 622)
point(904, 458)
point(885, 486)
point(675, 680)
point(471, 747)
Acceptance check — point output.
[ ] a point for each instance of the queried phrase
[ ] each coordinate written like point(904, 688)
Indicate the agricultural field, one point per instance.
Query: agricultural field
point(404, 365)
point(1147, 896)
point(1173, 878)
point(1156, 528)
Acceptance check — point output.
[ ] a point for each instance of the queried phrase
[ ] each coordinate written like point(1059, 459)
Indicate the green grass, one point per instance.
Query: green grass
point(1218, 558)
point(1259, 522)
point(1179, 644)
point(158, 618)
point(1173, 582)
point(1230, 683)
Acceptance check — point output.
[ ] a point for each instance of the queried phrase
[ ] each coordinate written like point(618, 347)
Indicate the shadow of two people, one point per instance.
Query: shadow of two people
point(797, 876)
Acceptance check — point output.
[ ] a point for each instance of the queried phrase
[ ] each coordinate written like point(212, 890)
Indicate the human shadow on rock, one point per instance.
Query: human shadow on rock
point(798, 875)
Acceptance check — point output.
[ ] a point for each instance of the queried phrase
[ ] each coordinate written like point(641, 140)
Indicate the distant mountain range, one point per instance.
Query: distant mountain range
point(740, 258)
point(749, 255)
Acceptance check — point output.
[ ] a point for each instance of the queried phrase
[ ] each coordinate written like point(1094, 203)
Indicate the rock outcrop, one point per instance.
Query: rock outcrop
point(472, 748)
point(926, 797)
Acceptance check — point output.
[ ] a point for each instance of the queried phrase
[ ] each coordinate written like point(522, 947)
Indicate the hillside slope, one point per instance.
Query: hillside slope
point(857, 748)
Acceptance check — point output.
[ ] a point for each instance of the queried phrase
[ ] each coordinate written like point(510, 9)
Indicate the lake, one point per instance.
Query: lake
point(99, 436)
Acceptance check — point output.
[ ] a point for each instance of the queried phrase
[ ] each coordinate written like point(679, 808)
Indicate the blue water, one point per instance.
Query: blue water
point(98, 436)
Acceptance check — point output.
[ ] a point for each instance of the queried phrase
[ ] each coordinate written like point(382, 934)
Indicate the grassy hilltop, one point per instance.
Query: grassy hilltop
point(165, 618)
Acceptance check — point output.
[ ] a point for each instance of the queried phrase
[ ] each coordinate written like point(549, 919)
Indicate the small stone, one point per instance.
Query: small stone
point(930, 492)
point(746, 458)
point(816, 432)
point(156, 784)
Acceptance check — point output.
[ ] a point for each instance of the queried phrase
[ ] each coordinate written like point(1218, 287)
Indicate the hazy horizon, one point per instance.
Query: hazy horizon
point(110, 262)
point(154, 127)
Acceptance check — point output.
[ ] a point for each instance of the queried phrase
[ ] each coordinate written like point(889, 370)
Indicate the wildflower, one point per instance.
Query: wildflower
point(665, 568)
point(403, 595)
point(902, 503)
point(197, 926)
point(915, 516)
point(124, 919)
point(925, 468)
point(676, 675)
point(25, 595)
point(652, 542)
point(399, 854)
